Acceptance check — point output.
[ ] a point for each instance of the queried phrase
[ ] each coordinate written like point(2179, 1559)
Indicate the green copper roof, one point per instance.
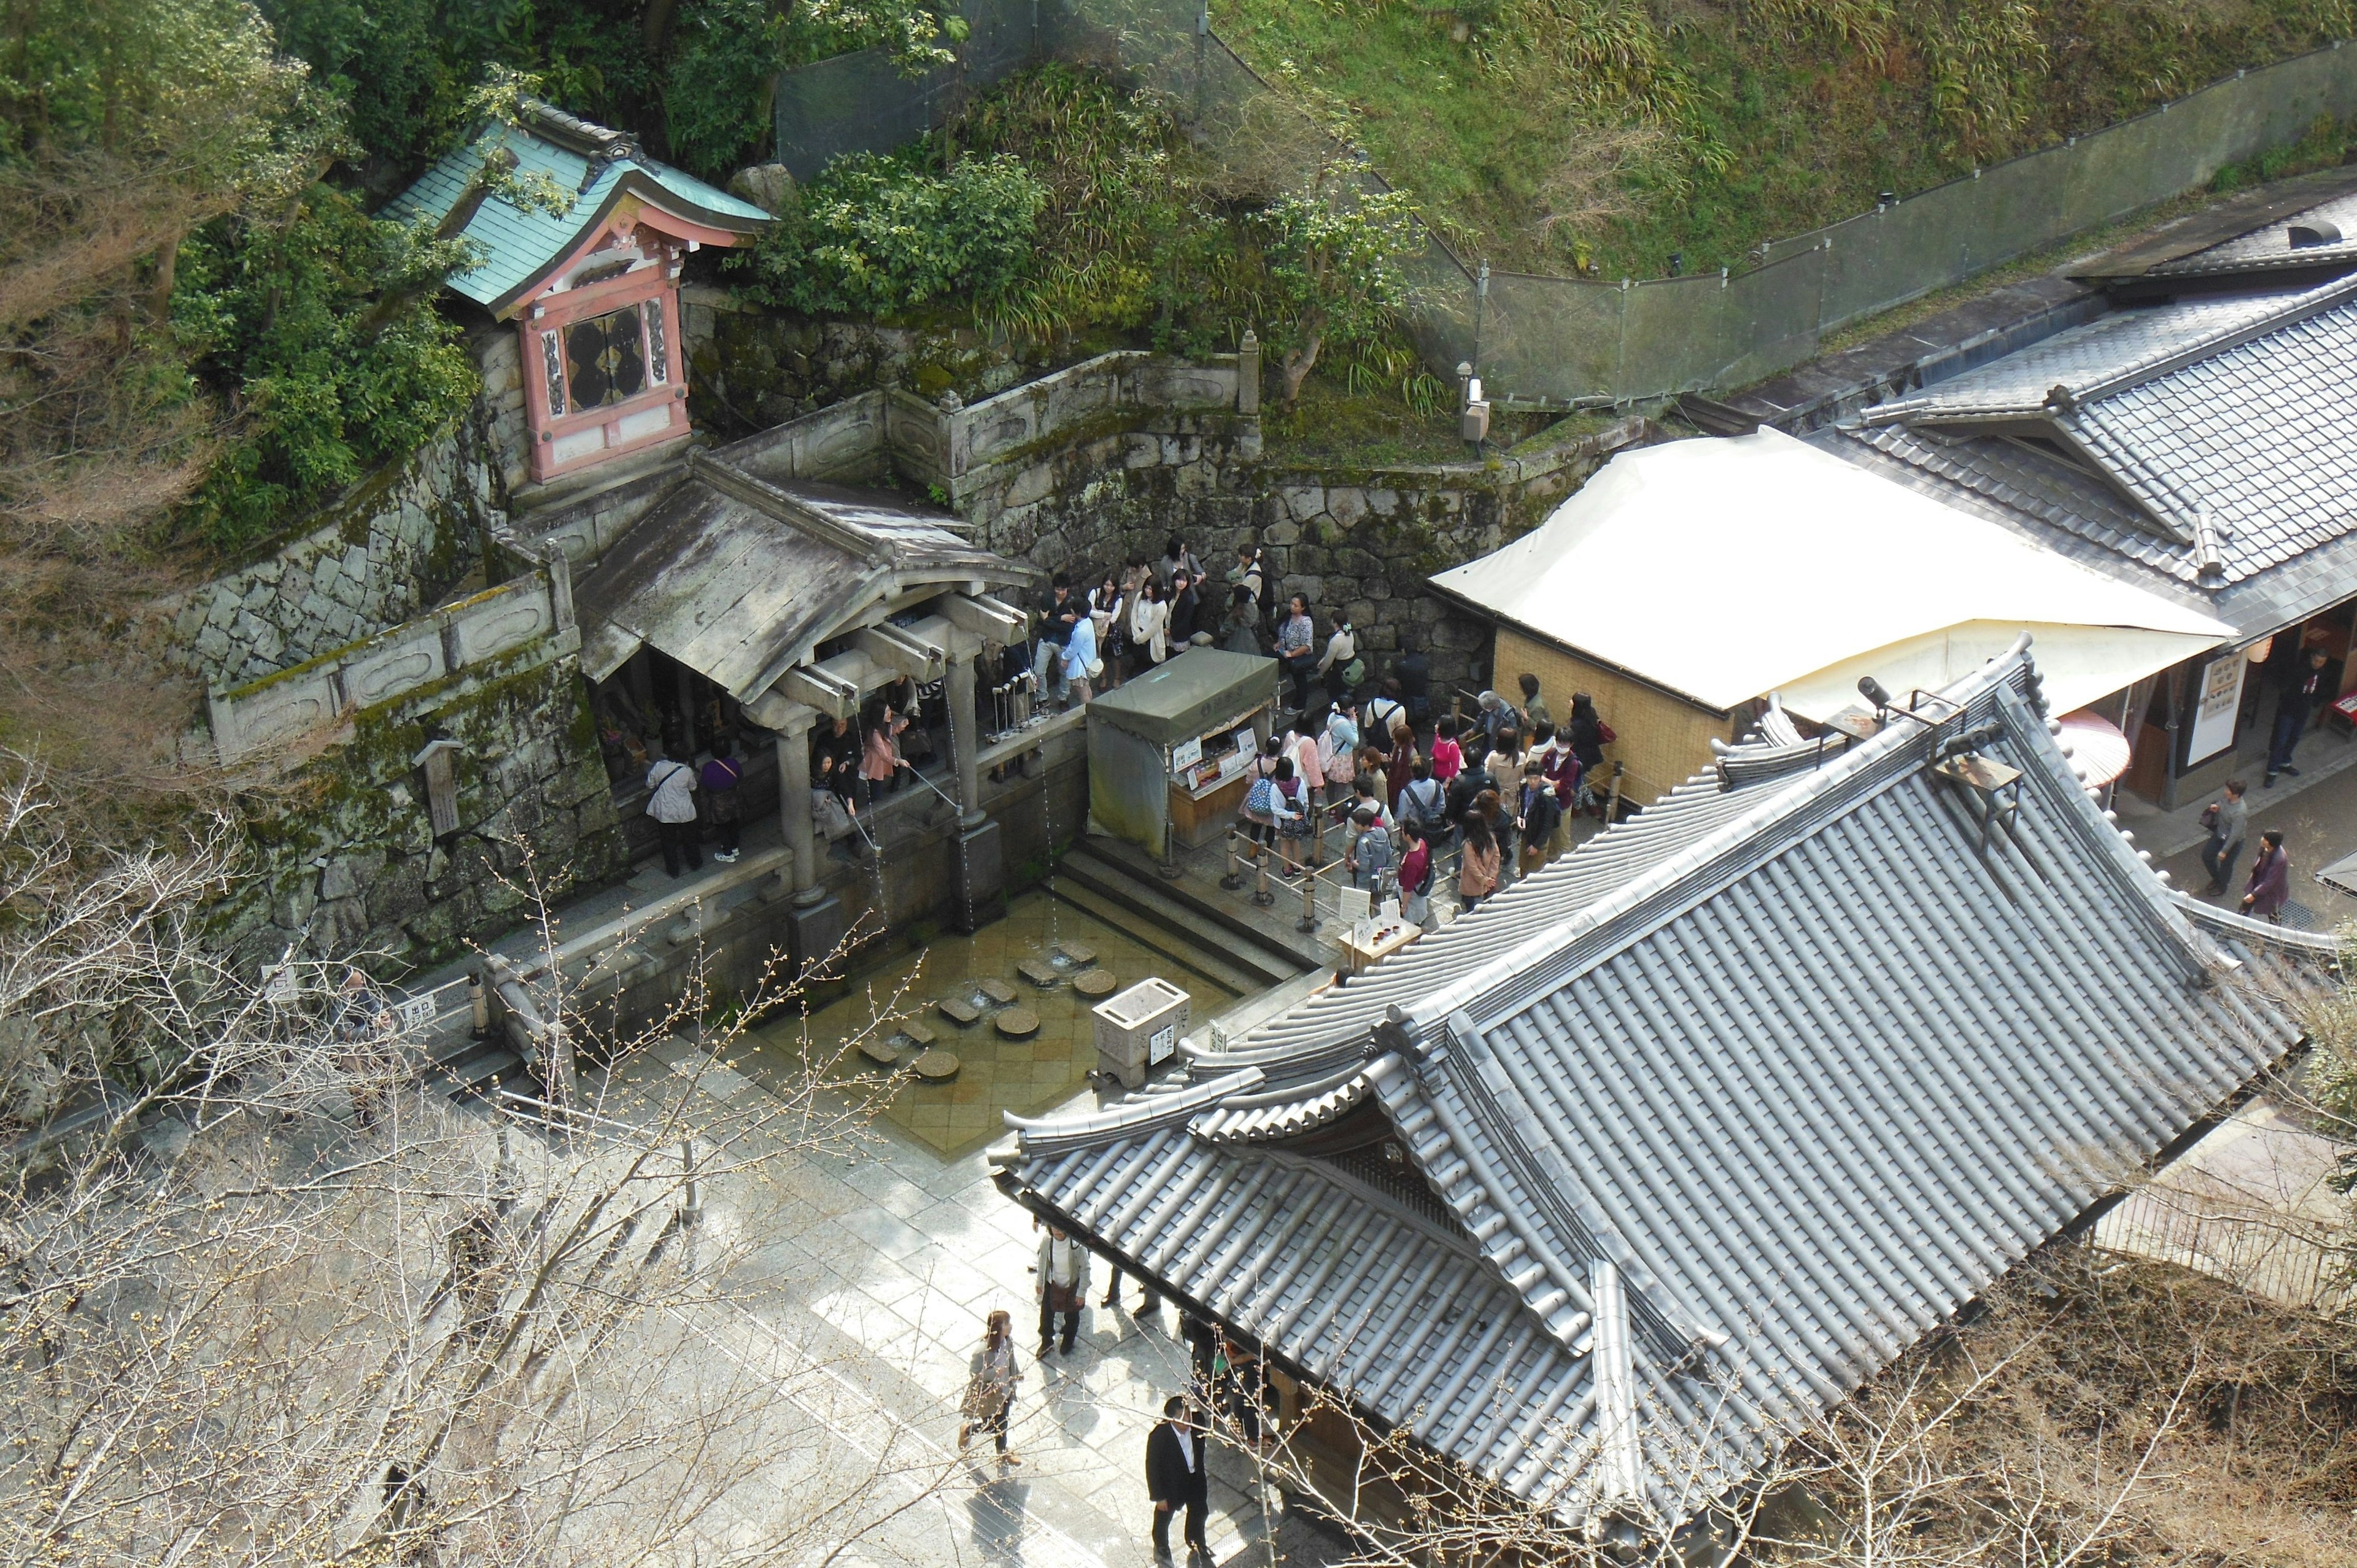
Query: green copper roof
point(592, 164)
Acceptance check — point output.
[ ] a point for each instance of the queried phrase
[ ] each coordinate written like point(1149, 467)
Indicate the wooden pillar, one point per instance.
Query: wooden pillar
point(965, 745)
point(794, 802)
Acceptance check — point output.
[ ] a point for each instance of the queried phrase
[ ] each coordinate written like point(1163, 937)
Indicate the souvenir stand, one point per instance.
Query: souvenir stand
point(1168, 751)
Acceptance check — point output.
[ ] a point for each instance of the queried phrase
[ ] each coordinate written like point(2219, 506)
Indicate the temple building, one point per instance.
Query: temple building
point(1602, 1191)
point(583, 237)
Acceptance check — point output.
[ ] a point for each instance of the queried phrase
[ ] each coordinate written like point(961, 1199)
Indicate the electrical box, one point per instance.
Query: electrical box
point(1138, 1030)
point(1477, 422)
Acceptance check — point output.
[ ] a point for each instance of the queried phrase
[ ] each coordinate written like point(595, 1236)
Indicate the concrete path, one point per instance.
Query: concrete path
point(882, 1278)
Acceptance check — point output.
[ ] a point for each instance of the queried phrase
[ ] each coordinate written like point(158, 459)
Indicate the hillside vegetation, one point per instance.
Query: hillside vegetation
point(1560, 135)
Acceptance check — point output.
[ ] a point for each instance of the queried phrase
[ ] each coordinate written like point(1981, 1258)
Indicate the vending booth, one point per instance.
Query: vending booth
point(1168, 751)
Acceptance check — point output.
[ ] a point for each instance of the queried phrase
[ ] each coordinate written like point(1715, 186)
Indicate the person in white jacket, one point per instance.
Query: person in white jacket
point(1149, 622)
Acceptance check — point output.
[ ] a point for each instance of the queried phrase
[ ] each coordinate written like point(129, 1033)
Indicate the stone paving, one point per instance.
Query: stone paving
point(885, 1273)
point(1027, 1075)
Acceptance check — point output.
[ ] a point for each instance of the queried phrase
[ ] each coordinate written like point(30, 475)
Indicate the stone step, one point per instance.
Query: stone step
point(1272, 930)
point(1154, 936)
point(1156, 903)
point(487, 1065)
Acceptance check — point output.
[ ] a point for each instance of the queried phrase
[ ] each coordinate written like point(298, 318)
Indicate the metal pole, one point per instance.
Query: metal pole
point(1235, 880)
point(1202, 48)
point(1481, 306)
point(1261, 894)
point(1309, 921)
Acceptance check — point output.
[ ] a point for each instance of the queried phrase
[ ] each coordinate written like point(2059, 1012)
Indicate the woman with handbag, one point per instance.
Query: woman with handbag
point(992, 1378)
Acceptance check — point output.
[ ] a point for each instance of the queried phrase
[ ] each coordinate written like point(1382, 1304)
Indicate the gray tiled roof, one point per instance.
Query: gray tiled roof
point(2270, 248)
point(1744, 1095)
point(2075, 514)
point(2121, 344)
point(2212, 442)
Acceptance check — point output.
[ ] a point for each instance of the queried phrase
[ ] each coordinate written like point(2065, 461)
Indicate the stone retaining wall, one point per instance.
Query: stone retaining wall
point(395, 545)
point(347, 863)
point(318, 698)
point(749, 369)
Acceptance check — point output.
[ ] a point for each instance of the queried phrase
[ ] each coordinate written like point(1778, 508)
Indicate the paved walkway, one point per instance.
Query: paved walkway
point(882, 1276)
point(2317, 811)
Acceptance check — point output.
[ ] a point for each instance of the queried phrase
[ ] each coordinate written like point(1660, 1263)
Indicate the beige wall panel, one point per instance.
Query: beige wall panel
point(1662, 739)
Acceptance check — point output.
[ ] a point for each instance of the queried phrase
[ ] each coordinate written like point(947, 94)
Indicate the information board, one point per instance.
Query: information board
point(2219, 704)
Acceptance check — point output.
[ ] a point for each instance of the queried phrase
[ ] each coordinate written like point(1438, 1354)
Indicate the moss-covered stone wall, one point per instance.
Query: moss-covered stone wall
point(387, 548)
point(347, 860)
point(1360, 541)
point(749, 369)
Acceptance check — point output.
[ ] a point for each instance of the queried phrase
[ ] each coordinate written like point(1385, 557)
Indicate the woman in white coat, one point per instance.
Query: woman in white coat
point(1149, 623)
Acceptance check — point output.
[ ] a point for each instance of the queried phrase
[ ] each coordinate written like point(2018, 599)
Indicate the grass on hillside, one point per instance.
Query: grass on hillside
point(1556, 134)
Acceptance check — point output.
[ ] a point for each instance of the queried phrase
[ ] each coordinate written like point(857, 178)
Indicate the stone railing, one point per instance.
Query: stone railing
point(318, 698)
point(953, 443)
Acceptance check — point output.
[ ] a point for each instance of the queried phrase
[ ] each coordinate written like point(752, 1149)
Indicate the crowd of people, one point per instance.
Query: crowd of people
point(1499, 788)
point(1409, 787)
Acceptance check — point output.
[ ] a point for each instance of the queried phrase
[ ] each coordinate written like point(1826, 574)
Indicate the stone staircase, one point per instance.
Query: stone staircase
point(1209, 931)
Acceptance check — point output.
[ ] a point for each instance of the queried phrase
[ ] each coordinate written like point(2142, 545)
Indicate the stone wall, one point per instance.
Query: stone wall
point(397, 542)
point(507, 427)
point(1360, 541)
point(748, 369)
point(348, 859)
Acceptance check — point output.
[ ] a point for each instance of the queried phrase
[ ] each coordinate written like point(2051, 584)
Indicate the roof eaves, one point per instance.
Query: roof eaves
point(2297, 308)
point(1131, 1116)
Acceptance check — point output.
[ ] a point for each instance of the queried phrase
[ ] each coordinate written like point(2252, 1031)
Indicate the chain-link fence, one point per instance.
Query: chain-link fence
point(1559, 341)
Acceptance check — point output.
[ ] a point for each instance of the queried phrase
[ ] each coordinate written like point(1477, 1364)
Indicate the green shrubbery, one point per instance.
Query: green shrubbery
point(322, 331)
point(878, 236)
point(1072, 206)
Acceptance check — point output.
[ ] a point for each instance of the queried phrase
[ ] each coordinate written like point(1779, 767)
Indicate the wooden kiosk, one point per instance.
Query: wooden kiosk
point(1168, 751)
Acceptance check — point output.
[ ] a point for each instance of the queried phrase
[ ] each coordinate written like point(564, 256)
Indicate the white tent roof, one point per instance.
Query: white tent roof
point(1724, 569)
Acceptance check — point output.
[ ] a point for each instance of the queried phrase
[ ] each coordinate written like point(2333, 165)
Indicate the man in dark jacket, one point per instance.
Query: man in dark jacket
point(1057, 611)
point(1175, 1479)
point(2302, 688)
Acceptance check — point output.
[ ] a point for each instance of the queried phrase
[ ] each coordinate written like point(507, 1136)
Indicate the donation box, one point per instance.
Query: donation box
point(1138, 1030)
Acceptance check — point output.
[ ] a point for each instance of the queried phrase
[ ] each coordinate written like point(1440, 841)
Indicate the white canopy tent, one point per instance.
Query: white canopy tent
point(1726, 569)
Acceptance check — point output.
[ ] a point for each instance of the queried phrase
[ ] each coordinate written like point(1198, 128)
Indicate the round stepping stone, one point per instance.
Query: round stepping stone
point(936, 1066)
point(997, 990)
point(1094, 983)
point(1078, 955)
point(882, 1051)
point(958, 1009)
point(1039, 971)
point(1016, 1022)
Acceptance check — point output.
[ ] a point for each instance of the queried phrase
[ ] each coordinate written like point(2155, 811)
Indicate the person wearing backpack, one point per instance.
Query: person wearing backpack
point(1292, 807)
point(1260, 798)
point(1340, 667)
point(1370, 854)
point(1421, 804)
point(670, 801)
point(721, 776)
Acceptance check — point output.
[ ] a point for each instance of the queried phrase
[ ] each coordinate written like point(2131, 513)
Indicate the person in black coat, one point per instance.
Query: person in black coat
point(1175, 1479)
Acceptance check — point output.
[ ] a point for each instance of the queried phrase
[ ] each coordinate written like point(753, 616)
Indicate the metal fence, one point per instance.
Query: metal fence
point(1560, 341)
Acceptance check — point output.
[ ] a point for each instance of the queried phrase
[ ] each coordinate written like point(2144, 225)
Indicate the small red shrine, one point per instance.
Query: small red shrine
point(583, 237)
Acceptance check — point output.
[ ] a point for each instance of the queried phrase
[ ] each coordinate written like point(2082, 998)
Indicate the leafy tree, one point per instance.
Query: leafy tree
point(1334, 273)
point(874, 236)
point(322, 329)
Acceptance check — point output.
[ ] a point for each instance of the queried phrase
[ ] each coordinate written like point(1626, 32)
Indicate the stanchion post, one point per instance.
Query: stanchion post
point(1235, 880)
point(1309, 921)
